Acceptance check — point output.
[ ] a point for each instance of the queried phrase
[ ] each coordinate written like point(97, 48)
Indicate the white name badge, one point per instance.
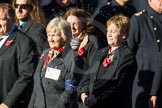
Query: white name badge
point(52, 73)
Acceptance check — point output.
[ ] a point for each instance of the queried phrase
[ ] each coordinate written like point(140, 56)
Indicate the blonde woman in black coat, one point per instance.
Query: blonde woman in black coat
point(109, 78)
point(55, 78)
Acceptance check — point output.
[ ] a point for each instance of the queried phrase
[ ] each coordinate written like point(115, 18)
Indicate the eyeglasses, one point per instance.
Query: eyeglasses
point(23, 6)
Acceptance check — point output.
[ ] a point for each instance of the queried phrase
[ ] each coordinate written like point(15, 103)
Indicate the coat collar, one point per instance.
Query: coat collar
point(152, 13)
point(113, 66)
point(27, 26)
point(56, 60)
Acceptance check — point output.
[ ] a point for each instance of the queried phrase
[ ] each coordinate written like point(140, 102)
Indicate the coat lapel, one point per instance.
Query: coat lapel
point(95, 68)
point(27, 27)
point(40, 65)
point(11, 40)
point(51, 64)
point(112, 68)
point(97, 64)
point(56, 60)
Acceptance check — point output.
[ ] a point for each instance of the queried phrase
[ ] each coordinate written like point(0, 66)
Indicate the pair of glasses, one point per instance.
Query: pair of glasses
point(22, 6)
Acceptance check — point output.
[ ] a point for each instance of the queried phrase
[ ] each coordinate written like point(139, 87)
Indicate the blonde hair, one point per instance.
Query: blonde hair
point(61, 25)
point(121, 21)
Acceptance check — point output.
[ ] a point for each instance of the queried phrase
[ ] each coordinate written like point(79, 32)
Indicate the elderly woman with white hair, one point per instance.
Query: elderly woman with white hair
point(54, 80)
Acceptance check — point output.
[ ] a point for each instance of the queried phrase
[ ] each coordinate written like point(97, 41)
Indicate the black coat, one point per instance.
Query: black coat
point(91, 48)
point(18, 62)
point(157, 85)
point(112, 85)
point(144, 36)
point(37, 32)
point(50, 93)
point(53, 9)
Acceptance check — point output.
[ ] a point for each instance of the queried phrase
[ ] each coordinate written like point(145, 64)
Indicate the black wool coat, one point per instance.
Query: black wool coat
point(51, 93)
point(111, 85)
point(18, 61)
point(37, 32)
point(145, 40)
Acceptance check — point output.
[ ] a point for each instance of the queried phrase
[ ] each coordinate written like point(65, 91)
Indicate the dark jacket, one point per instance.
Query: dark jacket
point(37, 32)
point(145, 33)
point(111, 85)
point(91, 48)
point(50, 93)
point(53, 9)
point(18, 62)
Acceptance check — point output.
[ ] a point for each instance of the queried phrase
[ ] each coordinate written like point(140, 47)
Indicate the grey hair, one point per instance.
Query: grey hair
point(61, 25)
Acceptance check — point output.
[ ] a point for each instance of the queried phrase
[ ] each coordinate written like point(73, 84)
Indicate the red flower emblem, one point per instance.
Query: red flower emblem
point(8, 43)
point(81, 51)
point(107, 62)
point(109, 59)
point(42, 55)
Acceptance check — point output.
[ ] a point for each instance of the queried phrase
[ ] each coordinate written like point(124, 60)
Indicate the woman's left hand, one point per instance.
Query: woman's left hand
point(153, 101)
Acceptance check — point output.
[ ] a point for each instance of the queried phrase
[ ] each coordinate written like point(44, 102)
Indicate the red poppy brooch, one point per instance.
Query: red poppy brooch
point(109, 59)
point(81, 52)
point(8, 43)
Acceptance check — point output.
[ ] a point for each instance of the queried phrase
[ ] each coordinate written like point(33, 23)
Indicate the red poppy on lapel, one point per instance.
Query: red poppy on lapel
point(8, 43)
point(107, 62)
point(109, 59)
point(81, 51)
